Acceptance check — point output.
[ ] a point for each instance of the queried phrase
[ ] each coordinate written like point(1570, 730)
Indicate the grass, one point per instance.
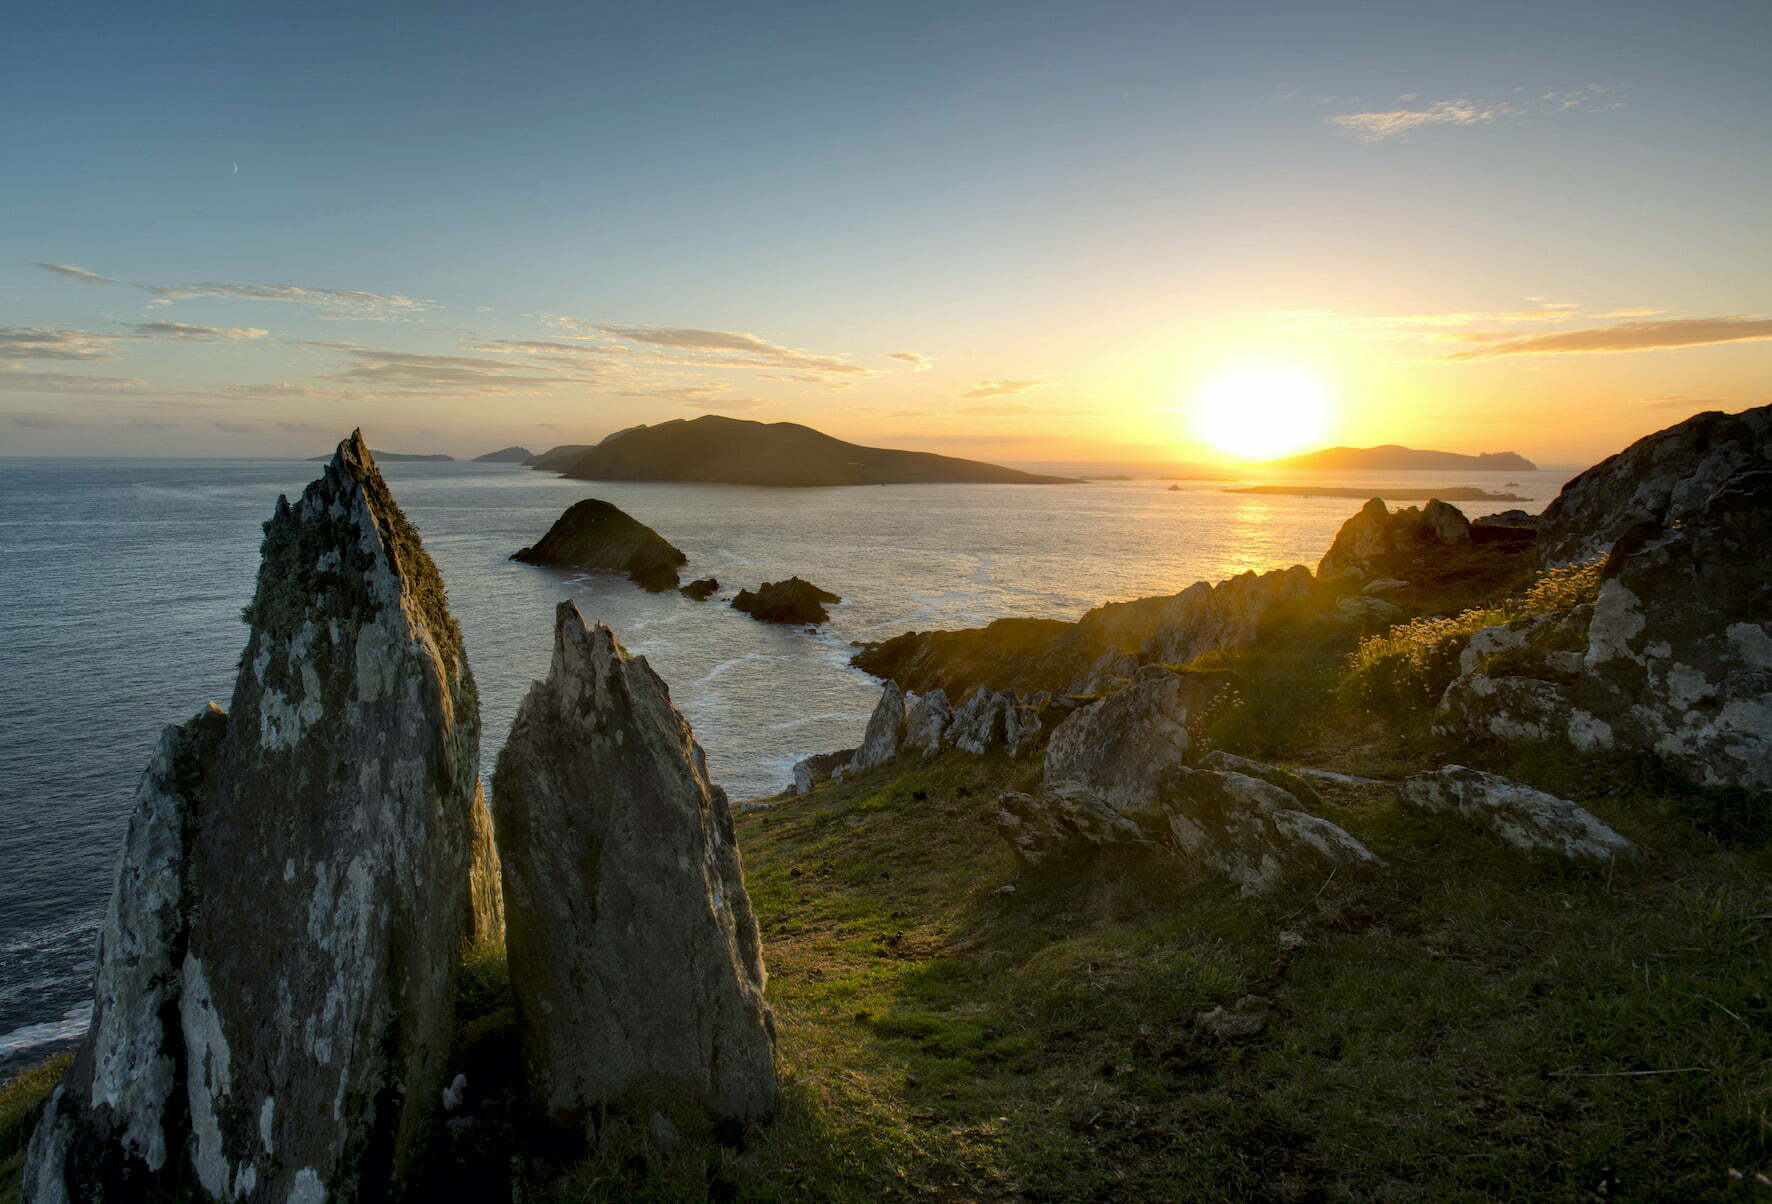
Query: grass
point(21, 1100)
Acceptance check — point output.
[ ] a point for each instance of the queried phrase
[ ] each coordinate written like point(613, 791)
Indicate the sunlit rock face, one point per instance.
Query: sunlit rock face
point(1378, 539)
point(1660, 478)
point(1117, 748)
point(1674, 659)
point(279, 1032)
point(1204, 618)
point(633, 952)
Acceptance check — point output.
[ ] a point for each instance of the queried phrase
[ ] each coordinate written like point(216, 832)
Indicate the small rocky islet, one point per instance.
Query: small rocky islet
point(333, 818)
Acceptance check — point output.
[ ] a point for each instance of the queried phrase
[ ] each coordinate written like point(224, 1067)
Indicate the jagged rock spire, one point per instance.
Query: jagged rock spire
point(633, 952)
point(274, 993)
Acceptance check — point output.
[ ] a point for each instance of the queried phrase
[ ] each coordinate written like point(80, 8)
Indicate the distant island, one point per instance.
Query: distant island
point(736, 451)
point(393, 458)
point(505, 455)
point(554, 457)
point(1461, 493)
point(1392, 457)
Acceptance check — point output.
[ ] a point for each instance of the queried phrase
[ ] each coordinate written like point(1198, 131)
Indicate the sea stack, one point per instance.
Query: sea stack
point(273, 999)
point(633, 952)
point(595, 534)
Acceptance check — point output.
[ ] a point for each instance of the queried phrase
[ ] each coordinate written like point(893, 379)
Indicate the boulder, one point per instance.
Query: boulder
point(596, 536)
point(1037, 827)
point(1383, 585)
point(812, 772)
point(790, 601)
point(1252, 831)
point(1674, 659)
point(1377, 538)
point(885, 731)
point(701, 589)
point(1367, 612)
point(1111, 670)
point(1659, 479)
point(1205, 618)
point(1523, 817)
point(1273, 775)
point(926, 724)
point(1117, 748)
point(273, 1001)
point(634, 955)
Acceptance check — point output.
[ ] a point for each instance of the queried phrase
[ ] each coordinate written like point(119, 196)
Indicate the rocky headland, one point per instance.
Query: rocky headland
point(505, 455)
point(597, 536)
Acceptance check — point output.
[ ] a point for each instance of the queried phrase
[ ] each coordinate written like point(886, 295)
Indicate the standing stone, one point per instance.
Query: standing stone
point(885, 734)
point(279, 1031)
point(633, 952)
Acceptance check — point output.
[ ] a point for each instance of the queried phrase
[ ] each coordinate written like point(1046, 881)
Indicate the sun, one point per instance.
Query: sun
point(1262, 411)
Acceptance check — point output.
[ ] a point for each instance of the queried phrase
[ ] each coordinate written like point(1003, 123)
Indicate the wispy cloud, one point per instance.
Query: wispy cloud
point(1382, 125)
point(185, 332)
point(1696, 404)
point(442, 375)
point(28, 343)
point(732, 403)
point(918, 363)
point(995, 411)
point(1002, 388)
point(344, 303)
point(696, 347)
point(1630, 336)
point(548, 349)
point(683, 393)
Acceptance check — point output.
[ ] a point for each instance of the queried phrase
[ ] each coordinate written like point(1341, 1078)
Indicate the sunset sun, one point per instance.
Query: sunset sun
point(1254, 413)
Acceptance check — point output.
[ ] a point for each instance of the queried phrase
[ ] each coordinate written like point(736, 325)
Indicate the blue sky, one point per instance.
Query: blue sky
point(1064, 218)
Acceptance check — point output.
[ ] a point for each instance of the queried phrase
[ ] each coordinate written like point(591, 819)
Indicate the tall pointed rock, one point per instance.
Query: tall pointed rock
point(633, 951)
point(274, 993)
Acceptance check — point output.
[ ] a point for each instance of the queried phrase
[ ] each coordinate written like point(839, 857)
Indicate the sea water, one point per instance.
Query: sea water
point(124, 581)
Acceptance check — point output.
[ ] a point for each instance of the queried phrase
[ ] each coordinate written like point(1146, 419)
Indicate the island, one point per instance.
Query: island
point(1391, 457)
point(1457, 493)
point(735, 451)
point(595, 535)
point(393, 458)
point(555, 456)
point(505, 455)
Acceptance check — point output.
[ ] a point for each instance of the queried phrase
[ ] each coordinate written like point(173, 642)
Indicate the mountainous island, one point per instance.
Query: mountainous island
point(505, 455)
point(1455, 493)
point(1391, 457)
point(393, 458)
point(737, 451)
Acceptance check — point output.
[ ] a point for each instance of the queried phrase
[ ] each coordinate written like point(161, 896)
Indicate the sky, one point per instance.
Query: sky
point(1022, 231)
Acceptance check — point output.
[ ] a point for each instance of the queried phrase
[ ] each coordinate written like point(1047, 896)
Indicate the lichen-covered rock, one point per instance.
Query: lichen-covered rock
point(791, 601)
point(1659, 479)
point(926, 724)
point(1252, 831)
point(1521, 816)
point(1109, 671)
point(1038, 827)
point(1117, 748)
point(1273, 775)
point(633, 952)
point(1378, 538)
point(597, 535)
point(992, 720)
point(1674, 659)
point(700, 590)
point(885, 731)
point(812, 772)
point(1204, 618)
point(283, 1037)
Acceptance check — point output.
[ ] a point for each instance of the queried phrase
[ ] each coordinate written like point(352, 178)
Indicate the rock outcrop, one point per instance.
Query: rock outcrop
point(1117, 749)
point(1039, 827)
point(596, 536)
point(273, 1000)
point(701, 589)
point(633, 952)
point(1659, 479)
point(812, 772)
point(1674, 659)
point(991, 720)
point(1517, 520)
point(791, 601)
point(1292, 783)
point(1201, 618)
point(1252, 831)
point(1523, 817)
point(486, 891)
point(1379, 539)
point(926, 723)
point(885, 731)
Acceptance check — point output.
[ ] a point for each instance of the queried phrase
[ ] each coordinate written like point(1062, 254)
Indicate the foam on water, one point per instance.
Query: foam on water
point(126, 581)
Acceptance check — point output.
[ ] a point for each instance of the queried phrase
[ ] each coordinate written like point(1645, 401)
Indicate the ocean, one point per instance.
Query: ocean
point(125, 580)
